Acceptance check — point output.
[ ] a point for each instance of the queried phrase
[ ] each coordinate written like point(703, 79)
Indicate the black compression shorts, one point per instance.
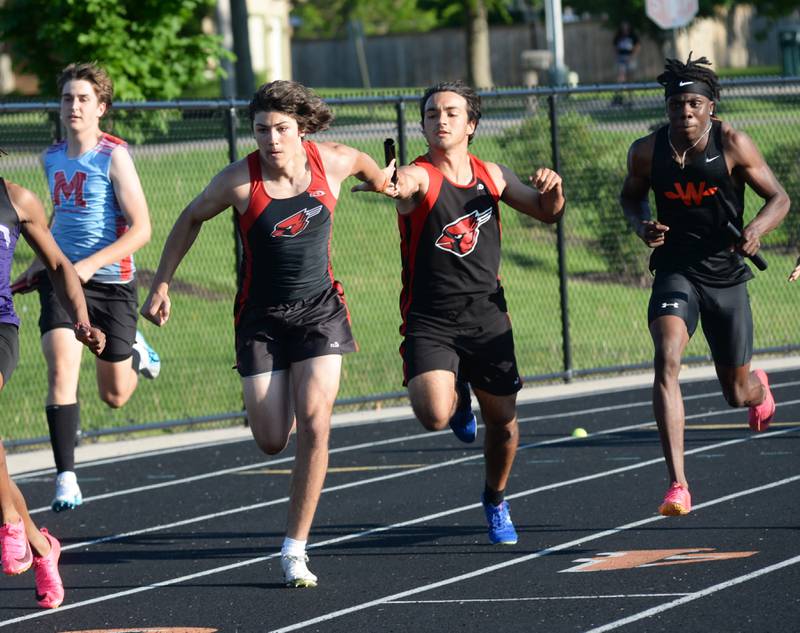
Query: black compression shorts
point(725, 314)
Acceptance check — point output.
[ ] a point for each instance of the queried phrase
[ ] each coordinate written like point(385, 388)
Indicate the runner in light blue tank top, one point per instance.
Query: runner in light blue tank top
point(86, 212)
point(100, 219)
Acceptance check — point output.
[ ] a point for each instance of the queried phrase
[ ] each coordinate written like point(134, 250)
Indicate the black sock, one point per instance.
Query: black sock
point(136, 360)
point(494, 497)
point(63, 421)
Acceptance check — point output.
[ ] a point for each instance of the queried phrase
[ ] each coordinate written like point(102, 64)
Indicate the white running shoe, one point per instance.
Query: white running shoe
point(295, 571)
point(149, 360)
point(68, 493)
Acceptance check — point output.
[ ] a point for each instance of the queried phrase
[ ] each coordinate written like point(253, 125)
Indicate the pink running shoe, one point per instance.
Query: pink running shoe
point(17, 555)
point(49, 588)
point(676, 502)
point(761, 414)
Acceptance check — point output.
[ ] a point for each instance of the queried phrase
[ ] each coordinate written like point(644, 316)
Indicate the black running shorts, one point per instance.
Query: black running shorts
point(112, 308)
point(724, 313)
point(9, 350)
point(476, 344)
point(273, 337)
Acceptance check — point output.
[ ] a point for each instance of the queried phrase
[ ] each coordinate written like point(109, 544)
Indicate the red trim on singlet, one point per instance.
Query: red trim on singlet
point(319, 182)
point(255, 207)
point(480, 171)
point(126, 263)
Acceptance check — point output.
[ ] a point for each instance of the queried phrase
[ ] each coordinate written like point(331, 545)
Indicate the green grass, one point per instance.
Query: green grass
point(607, 316)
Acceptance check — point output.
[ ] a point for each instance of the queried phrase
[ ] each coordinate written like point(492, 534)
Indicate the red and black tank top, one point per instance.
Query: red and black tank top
point(450, 243)
point(690, 202)
point(285, 242)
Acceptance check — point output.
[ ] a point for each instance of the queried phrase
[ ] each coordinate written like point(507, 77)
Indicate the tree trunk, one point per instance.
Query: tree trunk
point(479, 66)
point(245, 84)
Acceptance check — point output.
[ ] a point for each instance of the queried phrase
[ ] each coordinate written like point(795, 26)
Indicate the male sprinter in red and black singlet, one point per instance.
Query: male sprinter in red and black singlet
point(292, 325)
point(697, 167)
point(456, 327)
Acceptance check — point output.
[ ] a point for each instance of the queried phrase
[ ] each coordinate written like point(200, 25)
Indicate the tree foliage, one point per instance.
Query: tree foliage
point(330, 18)
point(153, 49)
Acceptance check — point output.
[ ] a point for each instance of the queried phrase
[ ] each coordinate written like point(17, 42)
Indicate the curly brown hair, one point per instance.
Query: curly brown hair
point(94, 74)
point(302, 104)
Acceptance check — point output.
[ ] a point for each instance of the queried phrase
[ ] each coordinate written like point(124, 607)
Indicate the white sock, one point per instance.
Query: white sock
point(292, 547)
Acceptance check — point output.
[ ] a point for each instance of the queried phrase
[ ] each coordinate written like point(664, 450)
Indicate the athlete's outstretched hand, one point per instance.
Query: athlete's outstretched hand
point(796, 272)
point(91, 337)
point(545, 180)
point(156, 308)
point(388, 188)
point(652, 233)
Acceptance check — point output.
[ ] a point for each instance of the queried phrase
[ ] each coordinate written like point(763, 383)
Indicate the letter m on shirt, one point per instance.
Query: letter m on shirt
point(72, 189)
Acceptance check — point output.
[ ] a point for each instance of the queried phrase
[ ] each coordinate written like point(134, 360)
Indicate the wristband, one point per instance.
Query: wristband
point(82, 326)
point(383, 186)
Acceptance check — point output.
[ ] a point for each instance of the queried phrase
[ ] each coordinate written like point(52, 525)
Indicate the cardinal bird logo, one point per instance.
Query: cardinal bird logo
point(461, 237)
point(295, 223)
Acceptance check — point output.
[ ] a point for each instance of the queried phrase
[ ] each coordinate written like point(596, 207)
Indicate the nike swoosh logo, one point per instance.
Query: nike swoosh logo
point(27, 555)
point(685, 83)
point(710, 159)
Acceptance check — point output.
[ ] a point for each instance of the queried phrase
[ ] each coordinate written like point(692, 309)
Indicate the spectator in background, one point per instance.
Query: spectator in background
point(626, 48)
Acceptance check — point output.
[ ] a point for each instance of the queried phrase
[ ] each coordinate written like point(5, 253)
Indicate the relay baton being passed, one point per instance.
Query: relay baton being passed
point(757, 259)
point(389, 155)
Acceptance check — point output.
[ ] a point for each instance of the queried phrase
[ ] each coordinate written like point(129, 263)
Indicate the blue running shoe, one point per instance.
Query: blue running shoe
point(463, 422)
point(149, 360)
point(501, 529)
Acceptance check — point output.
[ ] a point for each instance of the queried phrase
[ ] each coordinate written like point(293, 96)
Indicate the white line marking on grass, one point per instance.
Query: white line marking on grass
point(695, 596)
point(431, 517)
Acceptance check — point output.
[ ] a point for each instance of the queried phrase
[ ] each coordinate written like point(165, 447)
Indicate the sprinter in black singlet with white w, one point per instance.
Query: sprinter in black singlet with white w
point(697, 167)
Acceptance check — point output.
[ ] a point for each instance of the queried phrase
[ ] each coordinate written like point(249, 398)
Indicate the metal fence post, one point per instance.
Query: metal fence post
point(233, 156)
point(400, 109)
point(566, 346)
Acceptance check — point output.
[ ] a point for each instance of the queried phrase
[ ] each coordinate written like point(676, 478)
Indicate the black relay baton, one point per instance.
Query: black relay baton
point(757, 259)
point(389, 156)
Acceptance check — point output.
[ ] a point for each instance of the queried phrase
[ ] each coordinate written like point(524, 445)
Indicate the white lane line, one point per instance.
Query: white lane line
point(31, 475)
point(431, 517)
point(461, 460)
point(516, 561)
point(352, 484)
point(368, 445)
point(695, 596)
point(613, 596)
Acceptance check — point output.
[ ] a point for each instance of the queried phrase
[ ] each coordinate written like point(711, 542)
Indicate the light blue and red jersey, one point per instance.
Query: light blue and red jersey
point(86, 213)
point(9, 233)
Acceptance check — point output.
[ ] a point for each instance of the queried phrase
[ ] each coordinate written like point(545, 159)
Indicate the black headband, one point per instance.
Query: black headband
point(682, 86)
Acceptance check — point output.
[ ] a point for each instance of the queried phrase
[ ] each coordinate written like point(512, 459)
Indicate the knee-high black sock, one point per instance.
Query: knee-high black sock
point(495, 497)
point(63, 421)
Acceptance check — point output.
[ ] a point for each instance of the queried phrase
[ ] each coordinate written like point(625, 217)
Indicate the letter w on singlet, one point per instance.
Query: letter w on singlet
point(693, 194)
point(72, 189)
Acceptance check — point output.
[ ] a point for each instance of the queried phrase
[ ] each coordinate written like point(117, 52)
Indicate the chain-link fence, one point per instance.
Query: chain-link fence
point(577, 292)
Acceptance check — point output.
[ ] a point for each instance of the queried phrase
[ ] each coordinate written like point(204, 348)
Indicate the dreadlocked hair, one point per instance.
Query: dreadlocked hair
point(675, 70)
